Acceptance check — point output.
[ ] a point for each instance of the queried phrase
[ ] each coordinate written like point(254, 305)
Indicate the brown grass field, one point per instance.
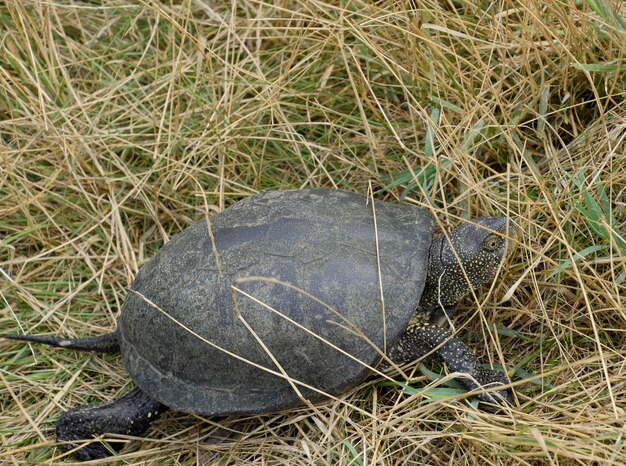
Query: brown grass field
point(123, 122)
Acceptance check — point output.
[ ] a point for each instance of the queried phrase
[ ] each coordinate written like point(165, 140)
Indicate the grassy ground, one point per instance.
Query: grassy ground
point(122, 123)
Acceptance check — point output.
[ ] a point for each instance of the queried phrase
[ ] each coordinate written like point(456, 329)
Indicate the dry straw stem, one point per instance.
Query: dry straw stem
point(122, 122)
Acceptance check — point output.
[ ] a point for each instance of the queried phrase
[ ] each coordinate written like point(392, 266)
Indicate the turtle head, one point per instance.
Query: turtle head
point(472, 251)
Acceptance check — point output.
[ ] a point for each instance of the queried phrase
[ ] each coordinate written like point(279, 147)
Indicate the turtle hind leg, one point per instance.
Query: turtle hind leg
point(103, 344)
point(130, 415)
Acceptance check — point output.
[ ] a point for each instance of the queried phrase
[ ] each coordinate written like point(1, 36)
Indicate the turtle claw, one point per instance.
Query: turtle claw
point(488, 378)
point(91, 451)
point(496, 400)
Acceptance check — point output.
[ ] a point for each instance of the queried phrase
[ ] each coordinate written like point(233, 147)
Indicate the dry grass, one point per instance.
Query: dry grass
point(122, 124)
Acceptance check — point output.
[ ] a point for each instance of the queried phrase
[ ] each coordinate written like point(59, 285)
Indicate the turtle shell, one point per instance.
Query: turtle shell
point(278, 299)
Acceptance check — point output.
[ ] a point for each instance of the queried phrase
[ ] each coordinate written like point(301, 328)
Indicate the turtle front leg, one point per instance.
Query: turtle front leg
point(423, 339)
point(130, 415)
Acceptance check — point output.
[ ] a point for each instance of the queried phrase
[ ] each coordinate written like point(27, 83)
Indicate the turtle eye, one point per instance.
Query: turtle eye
point(492, 242)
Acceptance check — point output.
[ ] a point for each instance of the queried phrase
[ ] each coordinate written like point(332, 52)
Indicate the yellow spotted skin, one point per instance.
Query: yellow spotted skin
point(129, 415)
point(426, 339)
point(471, 252)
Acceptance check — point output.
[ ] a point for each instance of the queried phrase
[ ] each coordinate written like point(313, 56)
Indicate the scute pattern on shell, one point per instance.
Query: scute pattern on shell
point(319, 241)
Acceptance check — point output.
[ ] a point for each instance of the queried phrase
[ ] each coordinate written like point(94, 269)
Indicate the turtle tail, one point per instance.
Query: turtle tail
point(103, 344)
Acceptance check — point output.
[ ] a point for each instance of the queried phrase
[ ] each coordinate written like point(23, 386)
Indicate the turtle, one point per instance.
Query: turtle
point(283, 299)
